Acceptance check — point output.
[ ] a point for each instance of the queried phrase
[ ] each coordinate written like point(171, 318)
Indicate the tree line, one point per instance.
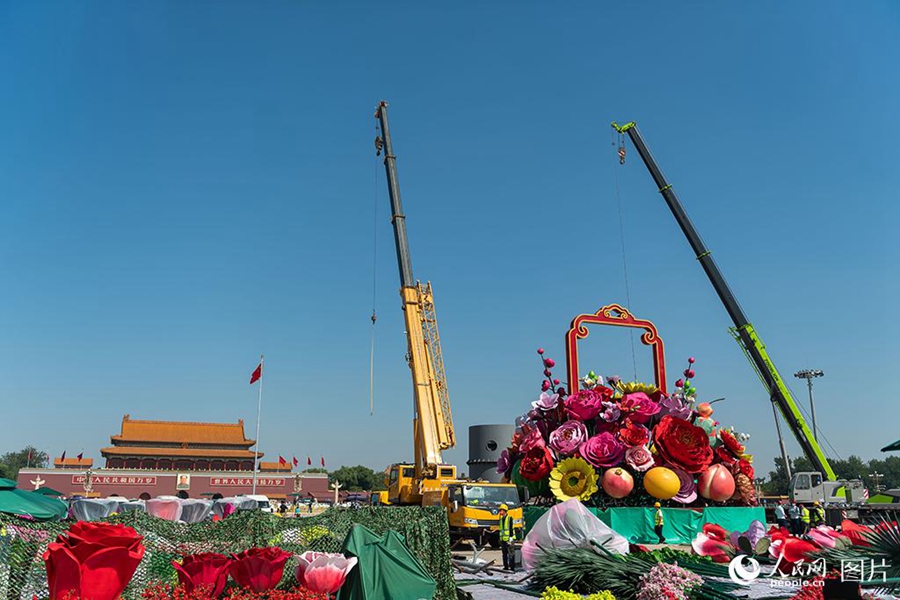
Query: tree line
point(852, 467)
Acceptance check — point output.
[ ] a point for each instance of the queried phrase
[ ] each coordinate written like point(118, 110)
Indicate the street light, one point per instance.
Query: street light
point(809, 375)
point(876, 477)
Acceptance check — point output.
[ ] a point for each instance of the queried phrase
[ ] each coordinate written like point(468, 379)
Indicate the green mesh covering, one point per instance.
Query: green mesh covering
point(22, 543)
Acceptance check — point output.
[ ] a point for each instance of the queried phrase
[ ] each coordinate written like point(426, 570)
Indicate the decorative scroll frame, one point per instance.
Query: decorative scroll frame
point(617, 316)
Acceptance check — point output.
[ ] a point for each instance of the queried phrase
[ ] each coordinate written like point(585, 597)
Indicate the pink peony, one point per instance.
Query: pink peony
point(638, 407)
point(532, 440)
point(602, 450)
point(585, 405)
point(567, 438)
point(639, 458)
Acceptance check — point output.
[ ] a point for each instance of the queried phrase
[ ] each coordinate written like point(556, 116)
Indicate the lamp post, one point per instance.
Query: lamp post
point(876, 478)
point(809, 375)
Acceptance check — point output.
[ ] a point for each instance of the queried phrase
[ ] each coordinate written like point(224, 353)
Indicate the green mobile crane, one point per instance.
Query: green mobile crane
point(743, 331)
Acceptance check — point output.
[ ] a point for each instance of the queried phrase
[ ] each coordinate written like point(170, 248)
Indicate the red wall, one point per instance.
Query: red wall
point(132, 483)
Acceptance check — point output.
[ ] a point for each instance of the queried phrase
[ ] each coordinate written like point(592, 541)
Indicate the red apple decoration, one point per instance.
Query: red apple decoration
point(617, 482)
point(716, 484)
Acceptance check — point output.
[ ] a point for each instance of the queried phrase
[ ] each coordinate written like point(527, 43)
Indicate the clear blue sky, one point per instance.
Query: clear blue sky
point(187, 185)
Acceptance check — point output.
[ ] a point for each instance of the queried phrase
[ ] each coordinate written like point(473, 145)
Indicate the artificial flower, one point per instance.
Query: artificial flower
point(731, 442)
point(712, 541)
point(633, 434)
point(639, 458)
point(722, 455)
point(567, 438)
point(504, 462)
point(92, 560)
point(533, 439)
point(322, 572)
point(259, 569)
point(638, 407)
point(682, 445)
point(610, 412)
point(546, 403)
point(207, 571)
point(536, 464)
point(673, 405)
point(602, 450)
point(687, 493)
point(585, 405)
point(573, 478)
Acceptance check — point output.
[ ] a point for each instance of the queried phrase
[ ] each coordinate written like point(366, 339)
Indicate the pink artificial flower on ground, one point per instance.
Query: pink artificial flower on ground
point(712, 541)
point(323, 572)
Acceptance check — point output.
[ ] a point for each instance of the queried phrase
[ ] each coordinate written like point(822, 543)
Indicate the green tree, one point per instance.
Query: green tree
point(315, 470)
point(850, 468)
point(11, 462)
point(358, 478)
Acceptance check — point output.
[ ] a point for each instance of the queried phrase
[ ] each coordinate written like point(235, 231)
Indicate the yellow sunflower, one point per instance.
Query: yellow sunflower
point(573, 478)
point(636, 386)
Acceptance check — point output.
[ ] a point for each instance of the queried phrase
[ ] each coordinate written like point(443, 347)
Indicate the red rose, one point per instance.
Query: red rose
point(207, 571)
point(259, 569)
point(634, 435)
point(682, 445)
point(731, 442)
point(536, 464)
point(92, 560)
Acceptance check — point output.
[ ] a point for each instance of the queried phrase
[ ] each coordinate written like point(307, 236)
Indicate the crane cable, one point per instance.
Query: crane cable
point(374, 317)
point(621, 155)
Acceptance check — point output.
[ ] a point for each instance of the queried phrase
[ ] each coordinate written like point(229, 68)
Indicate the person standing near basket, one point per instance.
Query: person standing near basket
point(507, 538)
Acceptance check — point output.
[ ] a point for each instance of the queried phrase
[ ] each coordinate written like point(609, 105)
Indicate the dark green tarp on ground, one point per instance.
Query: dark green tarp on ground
point(386, 570)
point(14, 501)
point(681, 524)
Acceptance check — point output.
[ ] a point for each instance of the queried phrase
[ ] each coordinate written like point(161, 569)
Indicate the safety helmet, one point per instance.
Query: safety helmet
point(816, 503)
point(504, 507)
point(656, 505)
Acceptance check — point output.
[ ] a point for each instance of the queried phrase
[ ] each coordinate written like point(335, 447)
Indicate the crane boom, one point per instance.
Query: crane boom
point(433, 423)
point(743, 330)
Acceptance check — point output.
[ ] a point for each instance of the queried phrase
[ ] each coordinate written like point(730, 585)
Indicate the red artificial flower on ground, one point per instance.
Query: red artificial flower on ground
point(92, 560)
point(536, 464)
point(633, 434)
point(324, 572)
point(713, 541)
point(208, 571)
point(259, 569)
point(682, 444)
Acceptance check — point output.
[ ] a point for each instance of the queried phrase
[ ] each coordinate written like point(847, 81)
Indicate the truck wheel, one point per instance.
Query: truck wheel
point(494, 540)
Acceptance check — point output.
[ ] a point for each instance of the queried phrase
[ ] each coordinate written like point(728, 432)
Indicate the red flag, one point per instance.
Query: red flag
point(296, 462)
point(281, 460)
point(323, 461)
point(29, 455)
point(80, 456)
point(63, 457)
point(308, 461)
point(256, 374)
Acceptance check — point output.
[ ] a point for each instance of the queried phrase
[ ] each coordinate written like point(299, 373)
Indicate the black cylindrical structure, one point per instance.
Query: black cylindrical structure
point(486, 442)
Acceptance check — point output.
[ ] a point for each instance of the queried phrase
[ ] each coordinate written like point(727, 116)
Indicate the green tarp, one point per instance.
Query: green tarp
point(681, 524)
point(23, 503)
point(45, 491)
point(386, 570)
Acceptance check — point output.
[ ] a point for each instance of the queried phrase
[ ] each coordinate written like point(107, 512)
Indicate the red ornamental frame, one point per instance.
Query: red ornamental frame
point(617, 316)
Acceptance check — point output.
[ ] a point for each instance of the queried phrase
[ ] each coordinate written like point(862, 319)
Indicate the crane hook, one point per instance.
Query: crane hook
point(379, 144)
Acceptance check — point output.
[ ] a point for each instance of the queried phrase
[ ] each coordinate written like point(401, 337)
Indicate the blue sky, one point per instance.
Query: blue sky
point(187, 185)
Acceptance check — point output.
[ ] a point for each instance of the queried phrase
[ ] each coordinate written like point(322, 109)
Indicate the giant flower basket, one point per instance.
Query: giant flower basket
point(612, 443)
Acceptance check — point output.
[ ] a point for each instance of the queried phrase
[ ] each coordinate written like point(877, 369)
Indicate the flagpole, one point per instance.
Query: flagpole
point(262, 371)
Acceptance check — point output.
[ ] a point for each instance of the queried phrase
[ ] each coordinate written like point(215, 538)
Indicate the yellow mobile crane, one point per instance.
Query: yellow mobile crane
point(472, 506)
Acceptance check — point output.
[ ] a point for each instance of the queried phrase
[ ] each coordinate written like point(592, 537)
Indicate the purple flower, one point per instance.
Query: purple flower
point(546, 402)
point(602, 450)
point(567, 438)
point(503, 463)
point(687, 493)
point(610, 412)
point(673, 405)
point(638, 407)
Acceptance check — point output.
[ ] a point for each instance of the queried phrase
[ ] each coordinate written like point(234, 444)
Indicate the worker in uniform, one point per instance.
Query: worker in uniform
point(507, 538)
point(817, 515)
point(794, 516)
point(804, 519)
point(658, 523)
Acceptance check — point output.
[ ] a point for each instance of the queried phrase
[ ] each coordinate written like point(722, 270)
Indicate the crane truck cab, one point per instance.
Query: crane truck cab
point(472, 506)
point(811, 487)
